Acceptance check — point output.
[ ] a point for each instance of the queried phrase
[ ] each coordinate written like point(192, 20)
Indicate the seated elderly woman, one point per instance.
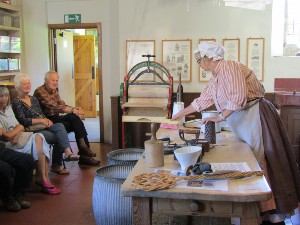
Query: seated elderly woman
point(28, 112)
point(32, 143)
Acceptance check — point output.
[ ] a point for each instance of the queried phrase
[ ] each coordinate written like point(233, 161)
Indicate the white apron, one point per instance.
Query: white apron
point(246, 125)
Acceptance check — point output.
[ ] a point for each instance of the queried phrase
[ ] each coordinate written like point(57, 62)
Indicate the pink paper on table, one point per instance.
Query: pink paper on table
point(169, 126)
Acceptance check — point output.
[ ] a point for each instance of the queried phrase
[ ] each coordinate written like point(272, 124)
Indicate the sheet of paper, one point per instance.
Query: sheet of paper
point(213, 185)
point(242, 166)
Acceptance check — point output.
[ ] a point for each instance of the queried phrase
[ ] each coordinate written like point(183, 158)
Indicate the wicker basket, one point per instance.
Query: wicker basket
point(127, 156)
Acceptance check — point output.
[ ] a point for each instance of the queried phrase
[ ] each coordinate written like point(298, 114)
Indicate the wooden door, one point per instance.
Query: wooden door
point(84, 74)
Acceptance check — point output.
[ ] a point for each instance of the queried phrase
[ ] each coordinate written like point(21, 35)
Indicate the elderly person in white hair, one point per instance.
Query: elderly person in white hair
point(239, 98)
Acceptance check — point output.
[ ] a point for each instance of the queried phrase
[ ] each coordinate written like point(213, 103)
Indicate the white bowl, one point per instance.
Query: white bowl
point(187, 156)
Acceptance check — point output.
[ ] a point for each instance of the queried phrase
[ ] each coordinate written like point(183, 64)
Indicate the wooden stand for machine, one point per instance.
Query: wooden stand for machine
point(146, 102)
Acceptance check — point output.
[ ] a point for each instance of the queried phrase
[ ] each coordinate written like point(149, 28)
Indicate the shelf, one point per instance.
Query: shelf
point(9, 7)
point(7, 83)
point(12, 73)
point(10, 32)
point(10, 53)
point(7, 28)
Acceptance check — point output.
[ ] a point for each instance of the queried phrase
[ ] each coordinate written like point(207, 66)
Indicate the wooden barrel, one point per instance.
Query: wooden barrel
point(110, 208)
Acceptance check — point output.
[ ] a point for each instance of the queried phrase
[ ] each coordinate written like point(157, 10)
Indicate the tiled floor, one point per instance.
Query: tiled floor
point(74, 205)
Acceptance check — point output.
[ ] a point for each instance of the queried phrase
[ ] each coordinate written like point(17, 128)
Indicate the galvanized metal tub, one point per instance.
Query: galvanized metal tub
point(110, 208)
point(127, 156)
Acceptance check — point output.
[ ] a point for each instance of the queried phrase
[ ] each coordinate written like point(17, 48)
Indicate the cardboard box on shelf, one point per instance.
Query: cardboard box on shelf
point(5, 18)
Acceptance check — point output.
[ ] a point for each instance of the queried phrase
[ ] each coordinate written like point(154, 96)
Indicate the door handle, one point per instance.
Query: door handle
point(93, 72)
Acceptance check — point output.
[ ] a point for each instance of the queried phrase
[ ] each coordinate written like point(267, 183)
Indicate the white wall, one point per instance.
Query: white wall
point(38, 14)
point(195, 19)
point(149, 20)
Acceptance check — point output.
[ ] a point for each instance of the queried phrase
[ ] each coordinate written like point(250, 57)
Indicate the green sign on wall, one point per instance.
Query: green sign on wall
point(72, 18)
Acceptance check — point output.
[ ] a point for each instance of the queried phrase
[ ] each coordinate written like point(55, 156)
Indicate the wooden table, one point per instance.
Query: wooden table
point(241, 200)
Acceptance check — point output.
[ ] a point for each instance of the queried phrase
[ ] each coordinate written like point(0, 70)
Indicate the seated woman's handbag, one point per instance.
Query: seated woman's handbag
point(36, 127)
point(23, 139)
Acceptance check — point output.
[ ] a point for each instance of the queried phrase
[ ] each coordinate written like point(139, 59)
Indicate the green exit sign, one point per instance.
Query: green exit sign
point(72, 18)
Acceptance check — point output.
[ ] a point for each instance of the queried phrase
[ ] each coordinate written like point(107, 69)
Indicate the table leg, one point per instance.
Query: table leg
point(141, 211)
point(251, 214)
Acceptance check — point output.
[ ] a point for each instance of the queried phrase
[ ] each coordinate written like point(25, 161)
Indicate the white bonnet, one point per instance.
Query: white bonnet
point(211, 50)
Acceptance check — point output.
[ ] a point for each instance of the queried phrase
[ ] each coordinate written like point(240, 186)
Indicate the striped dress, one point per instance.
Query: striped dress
point(232, 85)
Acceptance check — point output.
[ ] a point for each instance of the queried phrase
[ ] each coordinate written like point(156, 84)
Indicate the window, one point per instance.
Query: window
point(286, 28)
point(292, 28)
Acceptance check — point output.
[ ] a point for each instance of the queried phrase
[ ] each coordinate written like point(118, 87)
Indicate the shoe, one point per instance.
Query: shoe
point(51, 191)
point(71, 157)
point(61, 171)
point(12, 205)
point(88, 161)
point(45, 184)
point(24, 204)
point(87, 152)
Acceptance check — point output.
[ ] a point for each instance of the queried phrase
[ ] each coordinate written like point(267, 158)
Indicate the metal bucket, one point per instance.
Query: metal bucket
point(110, 208)
point(127, 156)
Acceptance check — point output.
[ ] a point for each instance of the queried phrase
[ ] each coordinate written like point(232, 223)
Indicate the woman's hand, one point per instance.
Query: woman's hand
point(47, 122)
point(215, 119)
point(186, 111)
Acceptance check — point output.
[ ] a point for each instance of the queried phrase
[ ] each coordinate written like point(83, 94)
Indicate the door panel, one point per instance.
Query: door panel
point(84, 74)
point(65, 64)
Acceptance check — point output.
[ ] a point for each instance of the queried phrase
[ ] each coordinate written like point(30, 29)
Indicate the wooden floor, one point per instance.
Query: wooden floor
point(74, 205)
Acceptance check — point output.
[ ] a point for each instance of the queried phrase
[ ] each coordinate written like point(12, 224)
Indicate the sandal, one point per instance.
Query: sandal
point(62, 171)
point(51, 191)
point(45, 184)
point(71, 157)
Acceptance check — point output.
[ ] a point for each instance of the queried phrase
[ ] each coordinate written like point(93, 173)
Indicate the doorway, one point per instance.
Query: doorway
point(55, 29)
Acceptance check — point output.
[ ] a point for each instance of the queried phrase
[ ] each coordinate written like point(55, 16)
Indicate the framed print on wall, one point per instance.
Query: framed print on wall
point(204, 76)
point(176, 56)
point(135, 49)
point(232, 49)
point(255, 56)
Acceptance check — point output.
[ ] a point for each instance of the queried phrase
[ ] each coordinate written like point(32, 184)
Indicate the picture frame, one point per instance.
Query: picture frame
point(232, 49)
point(176, 57)
point(135, 49)
point(204, 76)
point(255, 56)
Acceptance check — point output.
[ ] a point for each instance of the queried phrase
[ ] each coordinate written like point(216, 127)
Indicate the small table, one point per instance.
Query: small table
point(241, 200)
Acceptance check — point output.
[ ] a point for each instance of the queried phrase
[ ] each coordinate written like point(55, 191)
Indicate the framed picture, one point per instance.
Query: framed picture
point(232, 49)
point(255, 56)
point(176, 55)
point(204, 76)
point(136, 52)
